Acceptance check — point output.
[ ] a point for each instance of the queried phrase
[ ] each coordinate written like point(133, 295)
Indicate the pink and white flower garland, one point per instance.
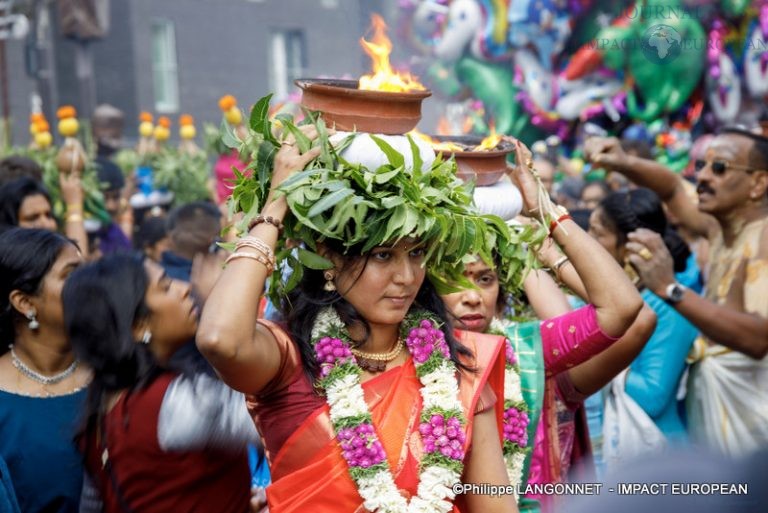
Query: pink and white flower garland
point(516, 417)
point(442, 427)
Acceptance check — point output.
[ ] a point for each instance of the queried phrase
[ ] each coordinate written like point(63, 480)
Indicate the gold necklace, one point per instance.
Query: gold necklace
point(377, 362)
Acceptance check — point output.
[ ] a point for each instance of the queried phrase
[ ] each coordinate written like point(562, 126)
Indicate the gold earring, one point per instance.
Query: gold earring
point(329, 285)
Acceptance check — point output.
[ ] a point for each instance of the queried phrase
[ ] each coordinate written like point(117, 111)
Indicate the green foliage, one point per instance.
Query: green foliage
point(213, 140)
point(127, 160)
point(183, 174)
point(93, 201)
point(365, 208)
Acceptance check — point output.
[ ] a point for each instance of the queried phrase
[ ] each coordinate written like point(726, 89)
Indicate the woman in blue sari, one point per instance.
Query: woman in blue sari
point(654, 376)
point(42, 385)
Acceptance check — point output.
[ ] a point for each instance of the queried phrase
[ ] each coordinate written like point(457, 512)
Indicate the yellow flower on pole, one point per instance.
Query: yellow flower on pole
point(34, 119)
point(42, 133)
point(163, 129)
point(71, 156)
point(68, 124)
point(228, 105)
point(187, 127)
point(146, 128)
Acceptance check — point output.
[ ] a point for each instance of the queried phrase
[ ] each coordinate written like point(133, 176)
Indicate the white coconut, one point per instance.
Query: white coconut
point(501, 199)
point(364, 150)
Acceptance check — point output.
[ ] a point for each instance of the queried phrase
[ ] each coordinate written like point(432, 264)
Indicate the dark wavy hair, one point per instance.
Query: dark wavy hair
point(625, 212)
point(103, 301)
point(13, 194)
point(26, 256)
point(301, 307)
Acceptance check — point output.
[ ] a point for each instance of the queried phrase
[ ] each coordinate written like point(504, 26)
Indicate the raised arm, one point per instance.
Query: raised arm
point(73, 196)
point(545, 297)
point(246, 355)
point(591, 375)
point(607, 153)
point(732, 324)
point(615, 299)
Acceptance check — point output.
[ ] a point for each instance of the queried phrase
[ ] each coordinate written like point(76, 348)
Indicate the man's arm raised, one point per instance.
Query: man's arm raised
point(606, 152)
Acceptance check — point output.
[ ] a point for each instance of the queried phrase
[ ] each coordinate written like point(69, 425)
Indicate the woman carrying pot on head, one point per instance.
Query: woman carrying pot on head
point(555, 363)
point(154, 438)
point(365, 398)
point(653, 378)
point(42, 384)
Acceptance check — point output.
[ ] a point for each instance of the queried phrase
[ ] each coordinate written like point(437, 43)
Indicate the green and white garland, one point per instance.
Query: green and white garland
point(516, 410)
point(443, 423)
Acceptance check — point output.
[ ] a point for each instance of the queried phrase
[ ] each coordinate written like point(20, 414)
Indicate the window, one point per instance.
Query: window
point(164, 67)
point(288, 60)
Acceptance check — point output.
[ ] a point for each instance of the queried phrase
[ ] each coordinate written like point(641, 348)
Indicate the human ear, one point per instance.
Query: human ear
point(759, 186)
point(22, 302)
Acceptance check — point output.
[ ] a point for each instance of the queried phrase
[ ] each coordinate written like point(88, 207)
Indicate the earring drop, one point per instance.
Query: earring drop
point(146, 337)
point(329, 285)
point(33, 324)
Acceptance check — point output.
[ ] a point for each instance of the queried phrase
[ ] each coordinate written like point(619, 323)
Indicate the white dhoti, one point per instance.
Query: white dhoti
point(727, 400)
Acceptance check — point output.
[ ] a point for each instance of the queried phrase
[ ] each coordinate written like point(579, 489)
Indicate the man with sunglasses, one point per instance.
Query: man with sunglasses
point(727, 399)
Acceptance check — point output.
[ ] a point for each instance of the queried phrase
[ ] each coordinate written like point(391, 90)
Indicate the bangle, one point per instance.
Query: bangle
point(73, 218)
point(558, 264)
point(249, 241)
point(556, 222)
point(259, 257)
point(259, 219)
point(75, 207)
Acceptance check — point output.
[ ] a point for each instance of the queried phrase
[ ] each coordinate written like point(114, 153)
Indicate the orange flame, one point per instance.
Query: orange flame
point(489, 142)
point(437, 145)
point(384, 78)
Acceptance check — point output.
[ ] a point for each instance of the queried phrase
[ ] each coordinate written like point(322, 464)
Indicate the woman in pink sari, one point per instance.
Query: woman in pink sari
point(571, 353)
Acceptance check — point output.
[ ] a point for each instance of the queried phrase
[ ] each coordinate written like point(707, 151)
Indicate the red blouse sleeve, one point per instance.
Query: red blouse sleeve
point(571, 339)
point(290, 360)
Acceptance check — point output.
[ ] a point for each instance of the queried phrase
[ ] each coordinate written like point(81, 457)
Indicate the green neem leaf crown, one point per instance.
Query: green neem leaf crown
point(333, 199)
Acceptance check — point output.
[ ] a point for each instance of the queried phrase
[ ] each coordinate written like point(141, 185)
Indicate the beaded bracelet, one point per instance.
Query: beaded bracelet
point(267, 220)
point(259, 257)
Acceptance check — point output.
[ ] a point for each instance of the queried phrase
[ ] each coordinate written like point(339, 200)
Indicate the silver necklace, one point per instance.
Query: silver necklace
point(40, 378)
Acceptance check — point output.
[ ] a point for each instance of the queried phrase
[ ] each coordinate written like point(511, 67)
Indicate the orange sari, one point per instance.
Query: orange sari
point(309, 472)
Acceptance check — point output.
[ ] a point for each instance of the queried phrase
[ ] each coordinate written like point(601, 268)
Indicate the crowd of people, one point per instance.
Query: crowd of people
point(140, 370)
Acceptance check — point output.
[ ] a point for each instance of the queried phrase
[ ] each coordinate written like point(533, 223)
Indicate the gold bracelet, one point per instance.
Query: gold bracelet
point(259, 257)
point(76, 207)
point(73, 218)
point(264, 251)
point(249, 241)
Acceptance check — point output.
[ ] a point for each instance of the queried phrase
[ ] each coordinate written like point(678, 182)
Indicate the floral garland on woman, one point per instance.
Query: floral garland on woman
point(516, 411)
point(442, 427)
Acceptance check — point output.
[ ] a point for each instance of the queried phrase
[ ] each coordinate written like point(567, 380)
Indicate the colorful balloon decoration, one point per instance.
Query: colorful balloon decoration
point(544, 67)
